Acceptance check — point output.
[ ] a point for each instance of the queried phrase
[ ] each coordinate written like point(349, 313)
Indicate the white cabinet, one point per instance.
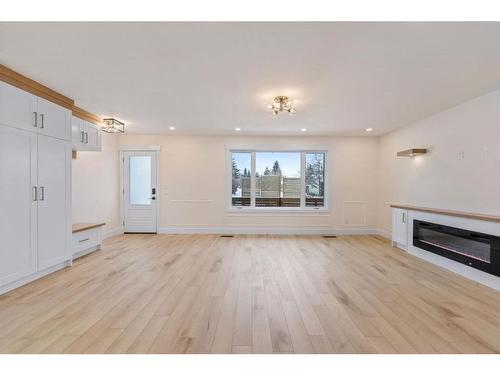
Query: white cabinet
point(53, 183)
point(23, 110)
point(53, 120)
point(18, 108)
point(85, 136)
point(18, 214)
point(35, 187)
point(86, 238)
point(400, 228)
point(93, 137)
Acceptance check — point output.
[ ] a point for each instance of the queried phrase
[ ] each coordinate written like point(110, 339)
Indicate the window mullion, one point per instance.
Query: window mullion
point(302, 179)
point(252, 181)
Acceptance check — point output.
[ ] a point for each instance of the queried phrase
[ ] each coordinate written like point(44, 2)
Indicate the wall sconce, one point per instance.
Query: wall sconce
point(412, 152)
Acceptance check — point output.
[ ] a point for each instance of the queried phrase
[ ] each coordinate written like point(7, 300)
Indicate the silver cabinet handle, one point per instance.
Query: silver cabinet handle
point(404, 217)
point(85, 239)
point(82, 136)
point(86, 138)
point(42, 125)
point(35, 194)
point(35, 119)
point(42, 193)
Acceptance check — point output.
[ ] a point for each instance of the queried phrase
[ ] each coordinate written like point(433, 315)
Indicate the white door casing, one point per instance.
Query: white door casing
point(140, 191)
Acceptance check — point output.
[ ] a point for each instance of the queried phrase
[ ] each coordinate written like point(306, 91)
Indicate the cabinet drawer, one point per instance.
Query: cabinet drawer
point(85, 240)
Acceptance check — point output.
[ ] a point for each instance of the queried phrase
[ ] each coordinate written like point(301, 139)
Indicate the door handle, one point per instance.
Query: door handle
point(42, 193)
point(35, 119)
point(42, 125)
point(35, 194)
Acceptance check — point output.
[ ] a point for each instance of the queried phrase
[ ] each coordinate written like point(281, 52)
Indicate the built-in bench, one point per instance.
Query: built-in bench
point(87, 237)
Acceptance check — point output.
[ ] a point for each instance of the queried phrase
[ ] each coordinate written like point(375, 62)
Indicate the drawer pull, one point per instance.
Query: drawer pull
point(85, 239)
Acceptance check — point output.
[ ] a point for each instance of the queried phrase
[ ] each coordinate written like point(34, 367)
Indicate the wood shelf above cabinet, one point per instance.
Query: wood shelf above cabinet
point(440, 211)
point(85, 115)
point(27, 84)
point(24, 83)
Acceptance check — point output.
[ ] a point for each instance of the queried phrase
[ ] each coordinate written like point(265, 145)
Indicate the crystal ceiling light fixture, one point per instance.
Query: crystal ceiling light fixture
point(112, 125)
point(281, 104)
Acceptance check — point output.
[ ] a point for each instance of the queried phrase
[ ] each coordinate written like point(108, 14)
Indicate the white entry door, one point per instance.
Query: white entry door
point(140, 191)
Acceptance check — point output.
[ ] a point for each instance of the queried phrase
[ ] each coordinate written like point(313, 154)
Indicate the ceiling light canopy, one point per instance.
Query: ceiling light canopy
point(281, 104)
point(112, 125)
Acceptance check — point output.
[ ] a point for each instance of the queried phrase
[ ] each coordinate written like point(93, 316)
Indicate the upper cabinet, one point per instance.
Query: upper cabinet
point(17, 108)
point(26, 111)
point(53, 120)
point(85, 135)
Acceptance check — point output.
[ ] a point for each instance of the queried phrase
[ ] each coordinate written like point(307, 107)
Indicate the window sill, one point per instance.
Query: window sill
point(277, 210)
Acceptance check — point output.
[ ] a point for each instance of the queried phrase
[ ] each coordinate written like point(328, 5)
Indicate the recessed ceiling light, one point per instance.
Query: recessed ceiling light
point(369, 129)
point(303, 130)
point(237, 129)
point(172, 128)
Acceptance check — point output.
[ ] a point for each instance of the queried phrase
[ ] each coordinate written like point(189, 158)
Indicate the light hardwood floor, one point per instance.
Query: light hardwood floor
point(250, 294)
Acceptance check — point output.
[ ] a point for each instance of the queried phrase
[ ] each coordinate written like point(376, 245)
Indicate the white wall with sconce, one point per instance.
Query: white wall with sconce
point(461, 170)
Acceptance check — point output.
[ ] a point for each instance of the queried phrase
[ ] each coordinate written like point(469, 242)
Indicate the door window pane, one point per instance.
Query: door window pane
point(241, 184)
point(315, 179)
point(140, 180)
point(277, 179)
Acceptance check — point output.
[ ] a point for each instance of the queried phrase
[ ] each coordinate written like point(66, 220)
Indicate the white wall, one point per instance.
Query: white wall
point(442, 178)
point(193, 183)
point(96, 184)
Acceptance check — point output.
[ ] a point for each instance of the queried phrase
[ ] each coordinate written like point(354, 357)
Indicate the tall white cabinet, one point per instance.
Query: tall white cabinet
point(35, 188)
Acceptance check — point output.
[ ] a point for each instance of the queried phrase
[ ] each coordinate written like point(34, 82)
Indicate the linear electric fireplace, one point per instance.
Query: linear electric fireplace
point(478, 250)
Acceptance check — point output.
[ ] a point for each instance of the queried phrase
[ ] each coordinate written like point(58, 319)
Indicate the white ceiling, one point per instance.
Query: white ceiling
point(212, 77)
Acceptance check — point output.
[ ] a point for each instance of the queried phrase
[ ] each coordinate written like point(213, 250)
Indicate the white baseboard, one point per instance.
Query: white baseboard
point(111, 233)
point(384, 233)
point(35, 276)
point(266, 230)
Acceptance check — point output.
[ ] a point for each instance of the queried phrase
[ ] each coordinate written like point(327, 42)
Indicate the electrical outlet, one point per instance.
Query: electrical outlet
point(484, 152)
point(461, 155)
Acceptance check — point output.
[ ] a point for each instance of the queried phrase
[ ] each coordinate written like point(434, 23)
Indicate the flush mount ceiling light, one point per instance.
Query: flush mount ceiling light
point(369, 129)
point(112, 125)
point(172, 127)
point(281, 104)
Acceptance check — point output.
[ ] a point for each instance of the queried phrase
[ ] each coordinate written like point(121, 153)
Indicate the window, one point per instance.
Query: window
point(140, 180)
point(241, 181)
point(294, 179)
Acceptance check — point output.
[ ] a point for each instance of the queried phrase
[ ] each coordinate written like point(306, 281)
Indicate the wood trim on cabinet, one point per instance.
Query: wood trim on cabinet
point(24, 83)
point(85, 115)
point(27, 84)
point(468, 215)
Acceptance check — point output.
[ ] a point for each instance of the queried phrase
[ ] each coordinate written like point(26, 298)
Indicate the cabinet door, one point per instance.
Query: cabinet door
point(17, 108)
point(77, 133)
point(93, 137)
point(54, 155)
point(18, 213)
point(54, 120)
point(400, 226)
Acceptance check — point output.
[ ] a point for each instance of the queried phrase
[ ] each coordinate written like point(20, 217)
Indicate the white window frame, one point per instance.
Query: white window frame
point(252, 208)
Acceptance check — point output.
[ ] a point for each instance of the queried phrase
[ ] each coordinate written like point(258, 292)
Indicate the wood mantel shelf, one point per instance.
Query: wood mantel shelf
point(78, 227)
point(468, 215)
